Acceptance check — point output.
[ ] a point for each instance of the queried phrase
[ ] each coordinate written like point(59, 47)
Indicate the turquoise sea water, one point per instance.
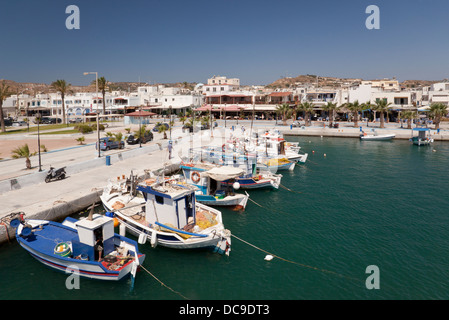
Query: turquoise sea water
point(355, 204)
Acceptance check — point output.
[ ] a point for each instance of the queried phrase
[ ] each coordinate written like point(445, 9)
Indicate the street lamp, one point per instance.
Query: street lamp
point(96, 107)
point(38, 118)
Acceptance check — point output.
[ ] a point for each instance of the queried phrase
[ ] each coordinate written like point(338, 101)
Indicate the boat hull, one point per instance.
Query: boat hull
point(235, 200)
point(382, 137)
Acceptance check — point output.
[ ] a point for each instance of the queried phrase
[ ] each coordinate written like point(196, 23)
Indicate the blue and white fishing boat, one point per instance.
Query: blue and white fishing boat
point(208, 177)
point(88, 246)
point(168, 215)
point(252, 177)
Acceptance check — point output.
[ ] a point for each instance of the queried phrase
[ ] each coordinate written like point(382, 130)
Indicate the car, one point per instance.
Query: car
point(76, 120)
point(48, 120)
point(148, 136)
point(108, 143)
point(156, 127)
point(296, 124)
point(19, 123)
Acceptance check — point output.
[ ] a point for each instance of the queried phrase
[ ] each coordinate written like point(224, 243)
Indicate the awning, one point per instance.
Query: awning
point(140, 114)
point(232, 108)
point(224, 173)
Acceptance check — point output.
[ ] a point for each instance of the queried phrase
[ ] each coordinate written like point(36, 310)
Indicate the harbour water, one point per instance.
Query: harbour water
point(352, 205)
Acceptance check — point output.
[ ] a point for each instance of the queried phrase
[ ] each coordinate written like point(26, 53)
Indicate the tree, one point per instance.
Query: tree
point(23, 152)
point(163, 129)
point(437, 111)
point(4, 93)
point(62, 87)
point(409, 116)
point(102, 86)
point(355, 108)
point(284, 110)
point(330, 108)
point(382, 106)
point(307, 107)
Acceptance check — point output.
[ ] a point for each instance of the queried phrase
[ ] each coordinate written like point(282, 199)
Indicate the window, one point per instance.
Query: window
point(159, 199)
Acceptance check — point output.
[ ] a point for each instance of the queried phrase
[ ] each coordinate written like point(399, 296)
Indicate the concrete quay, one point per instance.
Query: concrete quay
point(81, 188)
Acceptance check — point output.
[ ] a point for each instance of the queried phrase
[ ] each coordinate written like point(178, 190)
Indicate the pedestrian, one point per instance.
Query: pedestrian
point(170, 147)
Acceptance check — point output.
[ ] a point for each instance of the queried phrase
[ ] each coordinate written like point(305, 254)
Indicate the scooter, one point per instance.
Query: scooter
point(55, 175)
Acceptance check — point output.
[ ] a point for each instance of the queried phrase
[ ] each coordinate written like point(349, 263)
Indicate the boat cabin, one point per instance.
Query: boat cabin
point(208, 178)
point(99, 230)
point(169, 204)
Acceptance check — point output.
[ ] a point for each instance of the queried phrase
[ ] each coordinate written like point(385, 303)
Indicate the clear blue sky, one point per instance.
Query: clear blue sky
point(192, 40)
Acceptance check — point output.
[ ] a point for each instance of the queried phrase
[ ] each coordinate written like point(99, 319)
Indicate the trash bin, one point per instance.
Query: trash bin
point(108, 160)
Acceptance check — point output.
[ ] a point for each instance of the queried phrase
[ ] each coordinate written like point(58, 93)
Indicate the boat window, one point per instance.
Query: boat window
point(159, 199)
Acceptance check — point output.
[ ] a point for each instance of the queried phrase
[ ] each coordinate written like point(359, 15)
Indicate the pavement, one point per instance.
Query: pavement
point(25, 191)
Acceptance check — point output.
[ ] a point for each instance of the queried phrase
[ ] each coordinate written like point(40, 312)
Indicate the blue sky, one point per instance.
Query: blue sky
point(256, 41)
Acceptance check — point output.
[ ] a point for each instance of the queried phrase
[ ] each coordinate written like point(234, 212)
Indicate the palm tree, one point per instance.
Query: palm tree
point(330, 108)
point(382, 106)
point(355, 107)
point(140, 133)
point(63, 87)
point(307, 107)
point(102, 86)
point(368, 105)
point(163, 129)
point(23, 152)
point(409, 116)
point(4, 93)
point(437, 111)
point(284, 110)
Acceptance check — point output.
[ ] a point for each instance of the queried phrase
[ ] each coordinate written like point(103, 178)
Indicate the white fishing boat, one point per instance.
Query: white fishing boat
point(376, 136)
point(168, 215)
point(208, 177)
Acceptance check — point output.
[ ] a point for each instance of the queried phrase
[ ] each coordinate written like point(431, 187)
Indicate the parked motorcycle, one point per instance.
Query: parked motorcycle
point(55, 175)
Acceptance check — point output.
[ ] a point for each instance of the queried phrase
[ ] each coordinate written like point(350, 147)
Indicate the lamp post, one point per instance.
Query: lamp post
point(38, 118)
point(96, 107)
point(140, 128)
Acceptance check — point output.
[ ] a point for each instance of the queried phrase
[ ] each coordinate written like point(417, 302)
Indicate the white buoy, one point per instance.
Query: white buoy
point(122, 229)
point(268, 257)
point(153, 239)
point(142, 238)
point(236, 185)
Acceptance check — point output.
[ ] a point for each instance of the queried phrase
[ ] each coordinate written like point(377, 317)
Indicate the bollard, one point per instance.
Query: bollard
point(108, 160)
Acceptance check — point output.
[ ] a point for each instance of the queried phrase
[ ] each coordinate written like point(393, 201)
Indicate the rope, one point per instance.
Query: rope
point(284, 212)
point(297, 263)
point(163, 284)
point(289, 189)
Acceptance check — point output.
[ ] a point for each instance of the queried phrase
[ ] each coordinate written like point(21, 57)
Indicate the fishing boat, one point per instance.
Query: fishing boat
point(208, 177)
point(376, 137)
point(276, 164)
point(168, 215)
point(251, 179)
point(423, 138)
point(88, 246)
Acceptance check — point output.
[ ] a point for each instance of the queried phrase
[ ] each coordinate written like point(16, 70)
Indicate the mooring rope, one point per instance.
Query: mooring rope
point(280, 211)
point(297, 263)
point(280, 185)
point(163, 284)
